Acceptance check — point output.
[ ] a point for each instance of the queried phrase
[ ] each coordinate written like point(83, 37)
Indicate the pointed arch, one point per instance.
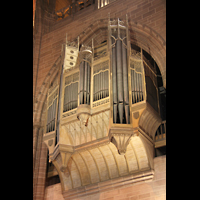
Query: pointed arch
point(140, 35)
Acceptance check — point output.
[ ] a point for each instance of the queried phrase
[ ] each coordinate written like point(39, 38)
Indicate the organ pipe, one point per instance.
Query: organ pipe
point(125, 80)
point(51, 116)
point(100, 81)
point(114, 82)
point(119, 73)
point(85, 73)
point(136, 82)
point(81, 83)
point(119, 80)
point(88, 84)
point(71, 93)
point(85, 81)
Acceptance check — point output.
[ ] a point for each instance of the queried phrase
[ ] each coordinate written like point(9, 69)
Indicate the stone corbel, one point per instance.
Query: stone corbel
point(120, 137)
point(65, 152)
point(49, 140)
point(83, 113)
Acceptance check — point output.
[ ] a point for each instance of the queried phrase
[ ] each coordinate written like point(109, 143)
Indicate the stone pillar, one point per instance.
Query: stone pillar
point(40, 178)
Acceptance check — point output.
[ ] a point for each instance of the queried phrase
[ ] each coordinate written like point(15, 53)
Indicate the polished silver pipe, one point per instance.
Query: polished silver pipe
point(132, 86)
point(51, 115)
point(67, 98)
point(140, 86)
point(119, 71)
point(73, 95)
point(127, 114)
point(101, 80)
point(54, 114)
point(48, 117)
point(133, 80)
point(125, 80)
point(97, 82)
point(114, 113)
point(81, 83)
point(106, 84)
point(125, 72)
point(52, 107)
point(97, 86)
point(120, 108)
point(114, 74)
point(119, 79)
point(114, 82)
point(76, 94)
point(94, 88)
point(71, 98)
point(88, 83)
point(85, 81)
point(136, 88)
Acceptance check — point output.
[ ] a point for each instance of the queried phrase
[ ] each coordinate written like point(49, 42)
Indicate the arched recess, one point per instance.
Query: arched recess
point(140, 35)
point(143, 37)
point(40, 100)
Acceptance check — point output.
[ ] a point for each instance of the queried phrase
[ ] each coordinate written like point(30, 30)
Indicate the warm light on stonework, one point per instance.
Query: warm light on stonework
point(83, 118)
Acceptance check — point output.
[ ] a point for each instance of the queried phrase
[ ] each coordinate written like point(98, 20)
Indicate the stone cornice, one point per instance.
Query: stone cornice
point(108, 185)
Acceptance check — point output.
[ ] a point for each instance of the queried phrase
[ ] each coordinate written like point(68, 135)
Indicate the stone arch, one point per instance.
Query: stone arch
point(42, 94)
point(140, 35)
point(149, 40)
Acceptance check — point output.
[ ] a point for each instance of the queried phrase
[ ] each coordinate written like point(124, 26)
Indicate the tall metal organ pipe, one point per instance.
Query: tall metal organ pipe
point(125, 80)
point(114, 82)
point(81, 82)
point(119, 80)
point(84, 83)
point(120, 75)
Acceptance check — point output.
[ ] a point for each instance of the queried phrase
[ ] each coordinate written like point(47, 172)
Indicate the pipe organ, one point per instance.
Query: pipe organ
point(71, 92)
point(100, 81)
point(85, 73)
point(113, 67)
point(137, 74)
point(51, 109)
point(118, 34)
point(109, 94)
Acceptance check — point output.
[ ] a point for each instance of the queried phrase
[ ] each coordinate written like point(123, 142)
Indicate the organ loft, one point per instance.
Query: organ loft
point(99, 99)
point(103, 112)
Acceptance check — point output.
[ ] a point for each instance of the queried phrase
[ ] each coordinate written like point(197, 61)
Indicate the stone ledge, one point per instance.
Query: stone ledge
point(108, 185)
